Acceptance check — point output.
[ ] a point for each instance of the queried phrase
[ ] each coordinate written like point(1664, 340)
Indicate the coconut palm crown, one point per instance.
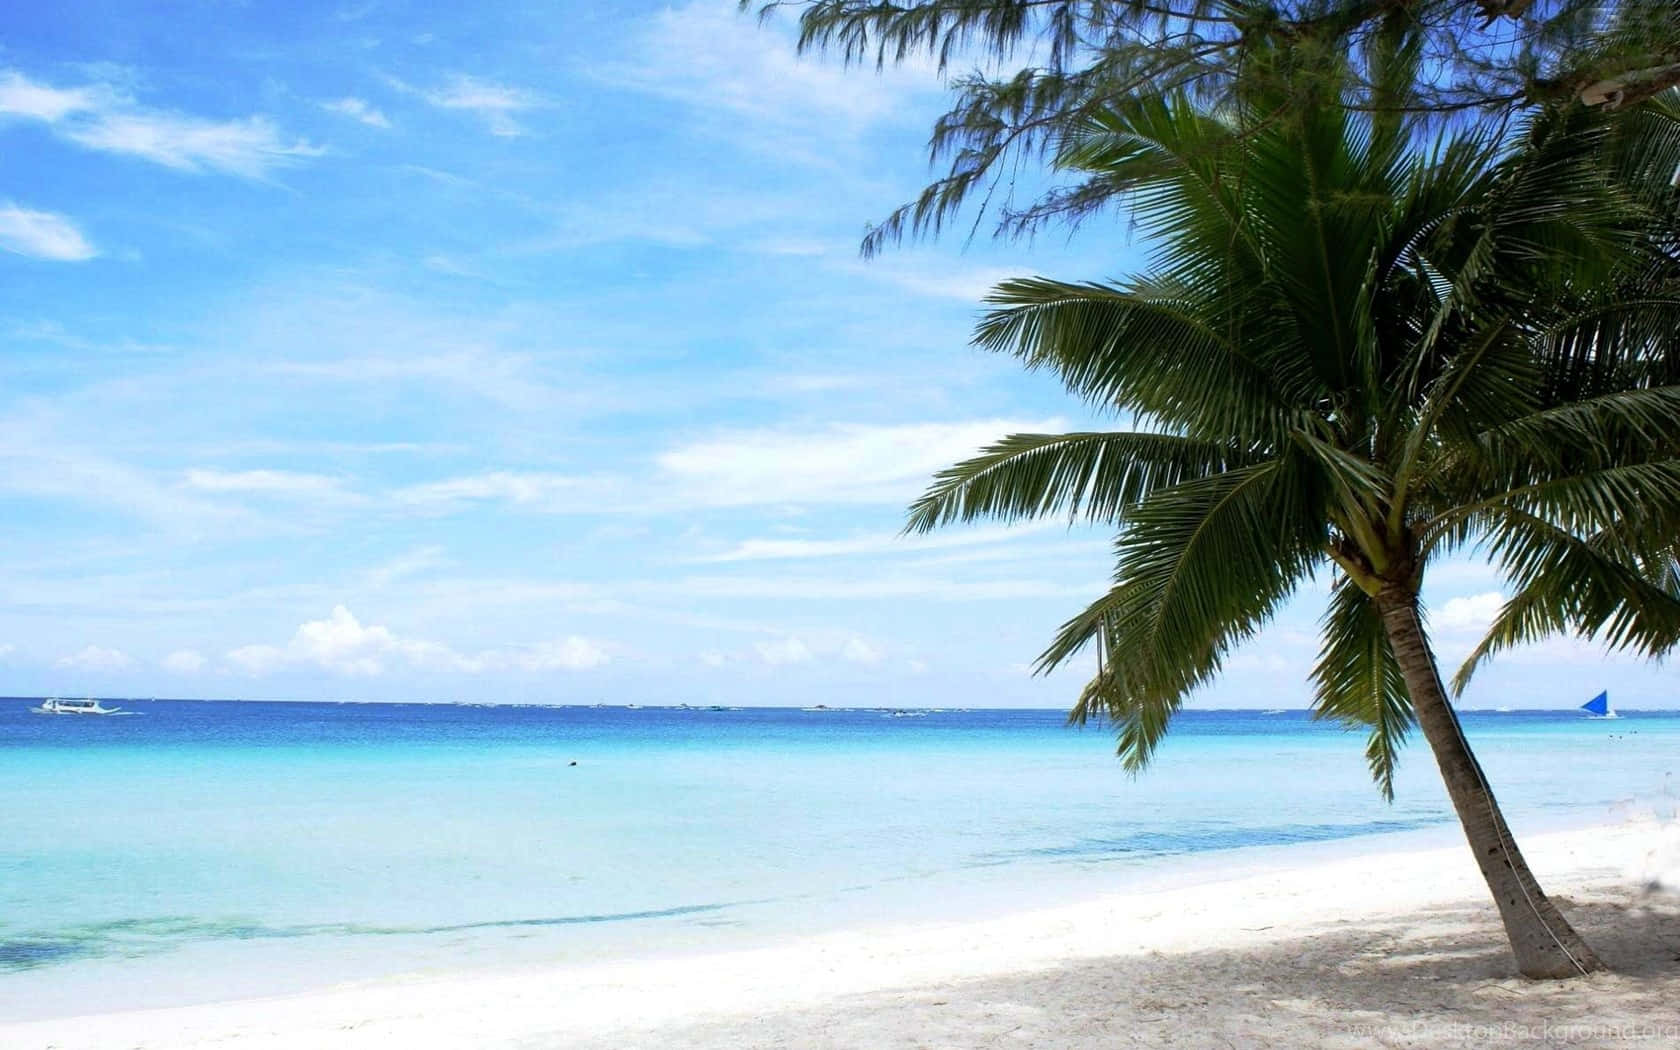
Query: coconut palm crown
point(1350, 354)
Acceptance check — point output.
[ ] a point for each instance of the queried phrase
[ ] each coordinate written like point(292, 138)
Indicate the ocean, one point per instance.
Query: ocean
point(201, 850)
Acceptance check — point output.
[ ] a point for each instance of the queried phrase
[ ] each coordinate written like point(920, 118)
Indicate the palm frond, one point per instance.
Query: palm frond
point(1357, 681)
point(1592, 584)
point(1201, 566)
point(1141, 349)
point(1094, 475)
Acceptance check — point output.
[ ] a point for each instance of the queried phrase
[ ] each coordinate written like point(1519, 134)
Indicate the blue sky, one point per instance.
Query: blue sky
point(372, 351)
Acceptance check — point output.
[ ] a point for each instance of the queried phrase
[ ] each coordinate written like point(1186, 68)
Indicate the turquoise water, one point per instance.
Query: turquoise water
point(206, 849)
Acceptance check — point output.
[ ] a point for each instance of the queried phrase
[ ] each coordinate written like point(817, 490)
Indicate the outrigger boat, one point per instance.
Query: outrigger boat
point(55, 706)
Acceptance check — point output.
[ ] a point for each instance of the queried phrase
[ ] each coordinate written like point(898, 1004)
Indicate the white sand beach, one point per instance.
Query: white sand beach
point(1376, 950)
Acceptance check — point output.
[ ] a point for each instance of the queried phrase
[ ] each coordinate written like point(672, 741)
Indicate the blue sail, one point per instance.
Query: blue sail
point(1598, 705)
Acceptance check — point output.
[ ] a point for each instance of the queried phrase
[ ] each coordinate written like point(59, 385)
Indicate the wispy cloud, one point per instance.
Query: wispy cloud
point(839, 463)
point(249, 147)
point(507, 378)
point(95, 658)
point(184, 661)
point(342, 644)
point(1472, 613)
point(875, 543)
point(406, 565)
point(919, 272)
point(566, 654)
point(934, 278)
point(858, 651)
point(42, 235)
point(22, 97)
point(41, 461)
point(709, 57)
point(886, 585)
point(545, 492)
point(496, 104)
point(783, 651)
point(780, 652)
point(359, 110)
point(282, 483)
point(102, 117)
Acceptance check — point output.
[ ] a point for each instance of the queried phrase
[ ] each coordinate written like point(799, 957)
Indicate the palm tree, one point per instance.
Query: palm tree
point(1348, 354)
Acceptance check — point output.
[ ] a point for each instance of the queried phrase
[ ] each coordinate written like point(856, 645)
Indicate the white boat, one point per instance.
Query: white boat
point(55, 706)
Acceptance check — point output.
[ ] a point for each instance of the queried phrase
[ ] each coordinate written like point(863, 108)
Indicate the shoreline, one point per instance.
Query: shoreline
point(207, 974)
point(1370, 909)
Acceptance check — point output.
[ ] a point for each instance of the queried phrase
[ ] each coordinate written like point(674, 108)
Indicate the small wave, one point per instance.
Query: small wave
point(1167, 843)
point(133, 937)
point(27, 953)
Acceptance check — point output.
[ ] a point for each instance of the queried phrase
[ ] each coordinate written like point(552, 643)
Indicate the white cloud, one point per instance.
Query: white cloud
point(931, 276)
point(42, 235)
point(1261, 660)
point(567, 654)
point(40, 458)
point(403, 566)
point(100, 117)
point(95, 658)
point(496, 104)
point(1462, 571)
point(257, 660)
point(858, 651)
point(1566, 649)
point(184, 661)
point(842, 463)
point(1469, 614)
point(342, 644)
point(7, 650)
point(357, 109)
point(535, 491)
point(874, 543)
point(22, 97)
point(505, 378)
point(798, 247)
point(712, 658)
point(248, 147)
point(707, 56)
point(783, 651)
point(894, 585)
point(264, 483)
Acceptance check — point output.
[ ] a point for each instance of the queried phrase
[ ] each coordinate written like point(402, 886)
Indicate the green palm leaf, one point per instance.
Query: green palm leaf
point(1357, 680)
point(1095, 475)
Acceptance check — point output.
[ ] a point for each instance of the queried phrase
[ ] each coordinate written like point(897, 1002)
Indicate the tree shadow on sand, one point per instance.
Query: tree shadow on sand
point(1440, 977)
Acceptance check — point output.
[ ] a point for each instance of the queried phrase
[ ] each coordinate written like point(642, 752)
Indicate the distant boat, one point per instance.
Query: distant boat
point(55, 706)
point(1599, 706)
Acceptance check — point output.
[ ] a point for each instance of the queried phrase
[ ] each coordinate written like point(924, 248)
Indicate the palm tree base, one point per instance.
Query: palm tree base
point(1545, 945)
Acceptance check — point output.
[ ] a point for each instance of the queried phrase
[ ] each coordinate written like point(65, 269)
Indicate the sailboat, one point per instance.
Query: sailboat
point(1599, 706)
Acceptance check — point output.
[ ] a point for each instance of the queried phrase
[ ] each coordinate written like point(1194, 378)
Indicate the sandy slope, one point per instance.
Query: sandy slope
point(1377, 950)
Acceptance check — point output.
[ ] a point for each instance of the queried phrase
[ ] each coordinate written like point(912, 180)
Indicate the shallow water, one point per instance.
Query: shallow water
point(201, 850)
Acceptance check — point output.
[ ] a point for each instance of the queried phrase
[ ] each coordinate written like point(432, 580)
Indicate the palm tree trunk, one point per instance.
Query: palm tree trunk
point(1545, 945)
